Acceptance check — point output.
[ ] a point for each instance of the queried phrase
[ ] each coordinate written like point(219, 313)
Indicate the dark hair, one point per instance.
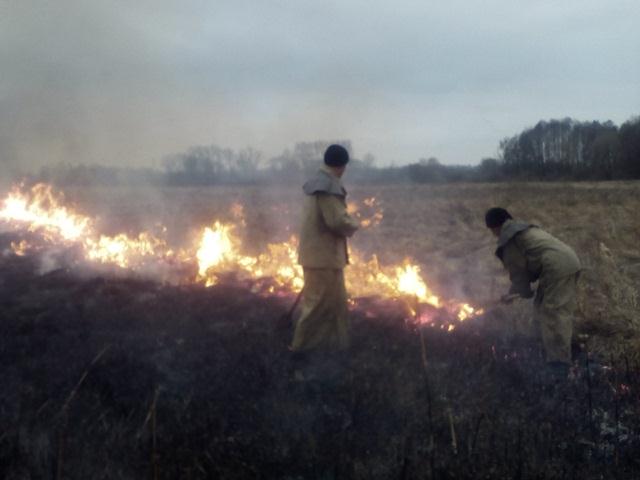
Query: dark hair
point(496, 216)
point(336, 156)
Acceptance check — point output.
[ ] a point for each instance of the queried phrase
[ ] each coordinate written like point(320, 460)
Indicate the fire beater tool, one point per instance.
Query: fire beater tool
point(287, 319)
point(506, 299)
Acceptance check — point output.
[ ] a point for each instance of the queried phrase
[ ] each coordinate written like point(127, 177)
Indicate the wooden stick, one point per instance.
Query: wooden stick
point(64, 413)
point(61, 442)
point(454, 443)
point(589, 396)
point(154, 443)
point(476, 432)
point(616, 443)
point(288, 317)
point(149, 412)
point(82, 378)
point(423, 348)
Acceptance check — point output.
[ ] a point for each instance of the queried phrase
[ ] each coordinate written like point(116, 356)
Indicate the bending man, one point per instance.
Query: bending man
point(323, 324)
point(530, 254)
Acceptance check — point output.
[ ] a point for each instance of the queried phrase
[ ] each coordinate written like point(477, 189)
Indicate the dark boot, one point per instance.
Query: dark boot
point(297, 365)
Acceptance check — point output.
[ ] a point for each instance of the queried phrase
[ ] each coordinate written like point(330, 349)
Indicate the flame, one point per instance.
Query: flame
point(410, 283)
point(123, 251)
point(219, 249)
point(369, 216)
point(216, 246)
point(466, 311)
point(41, 210)
point(20, 248)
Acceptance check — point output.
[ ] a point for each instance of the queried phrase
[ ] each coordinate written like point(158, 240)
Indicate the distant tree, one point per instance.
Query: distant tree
point(304, 159)
point(562, 149)
point(490, 170)
point(601, 156)
point(210, 164)
point(426, 171)
point(629, 158)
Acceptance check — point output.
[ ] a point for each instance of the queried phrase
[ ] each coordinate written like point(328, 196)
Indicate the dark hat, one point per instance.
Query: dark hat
point(336, 156)
point(496, 216)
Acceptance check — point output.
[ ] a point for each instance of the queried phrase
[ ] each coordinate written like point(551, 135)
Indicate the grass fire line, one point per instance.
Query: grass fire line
point(197, 381)
point(217, 250)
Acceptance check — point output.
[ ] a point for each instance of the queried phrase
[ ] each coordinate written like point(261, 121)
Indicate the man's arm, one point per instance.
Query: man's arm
point(516, 264)
point(335, 215)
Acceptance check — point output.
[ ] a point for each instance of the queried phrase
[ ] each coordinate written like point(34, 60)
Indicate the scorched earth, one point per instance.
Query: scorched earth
point(143, 335)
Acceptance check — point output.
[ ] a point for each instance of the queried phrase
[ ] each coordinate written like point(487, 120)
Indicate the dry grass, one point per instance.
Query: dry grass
point(441, 228)
point(197, 382)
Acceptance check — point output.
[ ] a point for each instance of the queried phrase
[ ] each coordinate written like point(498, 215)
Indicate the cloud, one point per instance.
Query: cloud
point(129, 82)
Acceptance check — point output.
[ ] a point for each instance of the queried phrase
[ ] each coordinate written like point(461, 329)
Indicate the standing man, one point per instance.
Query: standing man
point(530, 254)
point(323, 323)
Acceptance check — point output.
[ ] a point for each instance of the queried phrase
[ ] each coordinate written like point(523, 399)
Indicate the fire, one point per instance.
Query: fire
point(369, 216)
point(41, 210)
point(219, 250)
point(20, 248)
point(124, 251)
point(410, 282)
point(467, 311)
point(215, 246)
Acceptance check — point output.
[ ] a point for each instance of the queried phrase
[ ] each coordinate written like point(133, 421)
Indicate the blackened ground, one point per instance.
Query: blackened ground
point(123, 378)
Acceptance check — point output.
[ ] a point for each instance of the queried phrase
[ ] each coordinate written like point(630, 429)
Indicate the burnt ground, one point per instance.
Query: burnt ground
point(106, 377)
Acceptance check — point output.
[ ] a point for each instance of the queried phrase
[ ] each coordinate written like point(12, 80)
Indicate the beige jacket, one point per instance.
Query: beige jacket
point(325, 223)
point(529, 254)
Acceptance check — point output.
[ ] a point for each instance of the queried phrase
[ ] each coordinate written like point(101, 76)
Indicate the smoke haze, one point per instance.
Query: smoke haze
point(122, 83)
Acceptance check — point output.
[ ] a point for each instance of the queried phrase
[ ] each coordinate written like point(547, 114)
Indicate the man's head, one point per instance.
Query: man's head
point(495, 218)
point(336, 158)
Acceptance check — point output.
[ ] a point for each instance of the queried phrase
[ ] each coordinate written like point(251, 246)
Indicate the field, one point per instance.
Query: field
point(117, 375)
point(438, 227)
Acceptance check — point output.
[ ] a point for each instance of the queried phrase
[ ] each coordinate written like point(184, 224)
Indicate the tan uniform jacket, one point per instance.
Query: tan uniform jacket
point(529, 254)
point(325, 223)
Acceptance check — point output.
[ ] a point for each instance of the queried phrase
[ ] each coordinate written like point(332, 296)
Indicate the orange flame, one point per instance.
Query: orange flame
point(369, 216)
point(217, 251)
point(41, 210)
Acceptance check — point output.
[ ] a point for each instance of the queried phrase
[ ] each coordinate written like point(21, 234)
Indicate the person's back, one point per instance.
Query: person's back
point(530, 254)
point(326, 224)
point(545, 254)
point(323, 231)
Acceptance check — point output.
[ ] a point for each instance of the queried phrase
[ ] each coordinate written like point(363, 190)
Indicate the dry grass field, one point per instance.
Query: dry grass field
point(440, 227)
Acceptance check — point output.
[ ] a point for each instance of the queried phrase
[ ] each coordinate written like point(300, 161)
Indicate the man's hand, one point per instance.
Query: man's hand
point(508, 298)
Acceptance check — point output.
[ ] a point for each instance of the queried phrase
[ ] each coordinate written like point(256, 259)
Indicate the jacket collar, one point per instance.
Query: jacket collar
point(510, 229)
point(324, 181)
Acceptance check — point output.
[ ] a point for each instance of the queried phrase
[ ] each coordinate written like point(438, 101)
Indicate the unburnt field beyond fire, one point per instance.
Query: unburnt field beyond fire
point(114, 375)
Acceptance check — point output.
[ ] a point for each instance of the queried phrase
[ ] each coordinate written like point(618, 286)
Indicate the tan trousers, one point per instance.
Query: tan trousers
point(324, 322)
point(555, 307)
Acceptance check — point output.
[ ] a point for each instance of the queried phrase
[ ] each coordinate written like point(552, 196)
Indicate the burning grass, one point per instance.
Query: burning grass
point(219, 249)
point(117, 374)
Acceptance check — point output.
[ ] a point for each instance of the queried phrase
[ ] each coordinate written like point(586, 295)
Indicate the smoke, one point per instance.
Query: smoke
point(92, 82)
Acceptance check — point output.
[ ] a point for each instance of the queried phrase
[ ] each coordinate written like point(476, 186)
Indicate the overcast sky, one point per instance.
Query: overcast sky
point(128, 82)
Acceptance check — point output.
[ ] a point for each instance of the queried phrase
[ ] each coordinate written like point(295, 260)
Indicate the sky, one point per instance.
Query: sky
point(121, 82)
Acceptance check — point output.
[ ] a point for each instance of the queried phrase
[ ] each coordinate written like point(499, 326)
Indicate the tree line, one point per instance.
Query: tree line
point(551, 150)
point(573, 150)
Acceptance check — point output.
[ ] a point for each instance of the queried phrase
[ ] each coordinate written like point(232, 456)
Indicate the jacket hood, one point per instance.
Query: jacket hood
point(510, 229)
point(324, 182)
